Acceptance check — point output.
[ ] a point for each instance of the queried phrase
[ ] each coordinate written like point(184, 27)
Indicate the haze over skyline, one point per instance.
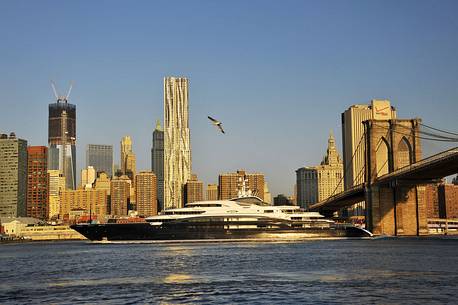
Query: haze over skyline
point(277, 74)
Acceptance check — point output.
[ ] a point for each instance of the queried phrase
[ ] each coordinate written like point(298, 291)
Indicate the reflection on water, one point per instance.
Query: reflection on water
point(321, 271)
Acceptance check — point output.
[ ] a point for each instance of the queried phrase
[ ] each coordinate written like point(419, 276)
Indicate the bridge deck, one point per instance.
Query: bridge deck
point(431, 168)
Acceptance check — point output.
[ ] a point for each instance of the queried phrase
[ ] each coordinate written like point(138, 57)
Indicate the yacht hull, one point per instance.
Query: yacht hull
point(146, 231)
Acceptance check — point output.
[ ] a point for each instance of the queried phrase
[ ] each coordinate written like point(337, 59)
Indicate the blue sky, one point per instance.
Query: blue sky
point(276, 73)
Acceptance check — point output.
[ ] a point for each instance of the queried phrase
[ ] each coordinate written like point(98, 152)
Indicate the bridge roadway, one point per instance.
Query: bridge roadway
point(427, 170)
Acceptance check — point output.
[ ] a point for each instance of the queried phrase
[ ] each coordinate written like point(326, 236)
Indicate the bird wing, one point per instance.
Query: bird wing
point(221, 128)
point(212, 119)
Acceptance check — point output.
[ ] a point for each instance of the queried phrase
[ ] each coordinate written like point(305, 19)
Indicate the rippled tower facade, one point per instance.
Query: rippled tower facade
point(62, 140)
point(177, 150)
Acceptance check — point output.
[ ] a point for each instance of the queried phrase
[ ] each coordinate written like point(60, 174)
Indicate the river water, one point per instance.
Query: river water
point(384, 271)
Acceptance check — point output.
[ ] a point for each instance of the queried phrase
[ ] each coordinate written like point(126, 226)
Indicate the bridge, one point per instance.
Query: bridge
point(394, 180)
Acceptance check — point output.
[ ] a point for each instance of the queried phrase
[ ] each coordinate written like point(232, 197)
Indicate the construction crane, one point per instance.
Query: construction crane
point(61, 98)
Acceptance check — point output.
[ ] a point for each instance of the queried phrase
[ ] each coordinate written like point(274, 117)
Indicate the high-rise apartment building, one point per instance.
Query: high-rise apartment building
point(212, 192)
point(177, 149)
point(194, 190)
point(120, 195)
point(56, 182)
point(353, 141)
point(229, 184)
point(92, 202)
point(100, 157)
point(62, 140)
point(267, 194)
point(146, 194)
point(13, 176)
point(37, 182)
point(317, 183)
point(157, 162)
point(128, 159)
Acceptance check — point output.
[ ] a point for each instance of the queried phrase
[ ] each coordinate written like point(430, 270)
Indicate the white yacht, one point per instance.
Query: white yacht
point(244, 217)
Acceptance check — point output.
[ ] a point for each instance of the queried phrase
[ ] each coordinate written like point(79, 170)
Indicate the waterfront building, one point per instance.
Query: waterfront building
point(353, 142)
point(13, 176)
point(177, 149)
point(56, 182)
point(146, 193)
point(194, 190)
point(37, 182)
point(128, 159)
point(229, 184)
point(62, 140)
point(120, 195)
point(157, 162)
point(91, 201)
point(212, 192)
point(318, 183)
point(100, 157)
point(88, 176)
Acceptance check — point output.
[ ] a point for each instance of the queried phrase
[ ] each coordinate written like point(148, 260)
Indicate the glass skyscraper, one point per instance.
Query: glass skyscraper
point(100, 157)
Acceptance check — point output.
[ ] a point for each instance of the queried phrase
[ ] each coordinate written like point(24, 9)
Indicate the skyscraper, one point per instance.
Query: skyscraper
point(157, 162)
point(177, 150)
point(194, 190)
point(37, 182)
point(145, 192)
point(62, 139)
point(353, 141)
point(318, 183)
point(100, 157)
point(128, 159)
point(13, 176)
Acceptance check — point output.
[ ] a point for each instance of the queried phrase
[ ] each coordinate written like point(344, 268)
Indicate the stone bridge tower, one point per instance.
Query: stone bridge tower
point(397, 207)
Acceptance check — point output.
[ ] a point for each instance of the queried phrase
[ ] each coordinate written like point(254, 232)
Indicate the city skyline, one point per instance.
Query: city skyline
point(303, 88)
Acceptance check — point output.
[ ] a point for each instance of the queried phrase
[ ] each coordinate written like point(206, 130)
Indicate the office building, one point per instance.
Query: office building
point(100, 157)
point(177, 149)
point(353, 142)
point(37, 182)
point(307, 186)
point(13, 176)
point(212, 192)
point(229, 184)
point(317, 183)
point(128, 159)
point(157, 162)
point(88, 176)
point(62, 139)
point(194, 190)
point(146, 194)
point(56, 182)
point(120, 195)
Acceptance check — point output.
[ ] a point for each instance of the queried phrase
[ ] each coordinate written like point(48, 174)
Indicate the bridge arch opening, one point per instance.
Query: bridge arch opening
point(404, 156)
point(382, 157)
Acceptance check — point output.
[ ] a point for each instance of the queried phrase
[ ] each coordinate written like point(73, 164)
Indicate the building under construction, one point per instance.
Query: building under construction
point(62, 138)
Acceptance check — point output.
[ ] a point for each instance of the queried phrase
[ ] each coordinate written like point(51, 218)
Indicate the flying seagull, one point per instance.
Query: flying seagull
point(216, 123)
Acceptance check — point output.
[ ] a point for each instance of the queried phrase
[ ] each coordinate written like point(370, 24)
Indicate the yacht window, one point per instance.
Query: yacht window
point(268, 211)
